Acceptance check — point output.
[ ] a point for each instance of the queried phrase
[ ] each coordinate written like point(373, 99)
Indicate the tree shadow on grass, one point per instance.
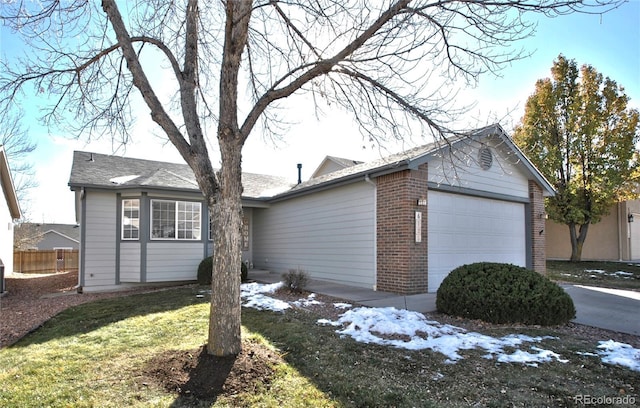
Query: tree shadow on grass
point(88, 317)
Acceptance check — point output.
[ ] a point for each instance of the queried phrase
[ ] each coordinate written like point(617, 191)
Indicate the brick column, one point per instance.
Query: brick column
point(538, 233)
point(401, 261)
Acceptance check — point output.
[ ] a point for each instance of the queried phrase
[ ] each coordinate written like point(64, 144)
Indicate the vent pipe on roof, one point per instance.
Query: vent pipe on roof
point(299, 173)
point(91, 157)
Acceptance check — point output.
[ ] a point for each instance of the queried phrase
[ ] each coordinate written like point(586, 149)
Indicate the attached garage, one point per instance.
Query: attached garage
point(464, 229)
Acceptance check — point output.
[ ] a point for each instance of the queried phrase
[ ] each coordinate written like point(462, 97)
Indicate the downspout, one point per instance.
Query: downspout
point(368, 180)
point(82, 221)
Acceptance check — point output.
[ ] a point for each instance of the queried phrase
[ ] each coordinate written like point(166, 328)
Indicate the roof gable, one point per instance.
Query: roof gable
point(331, 163)
point(413, 158)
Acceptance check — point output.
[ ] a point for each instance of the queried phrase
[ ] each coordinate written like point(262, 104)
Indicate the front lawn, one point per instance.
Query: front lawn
point(145, 350)
point(616, 275)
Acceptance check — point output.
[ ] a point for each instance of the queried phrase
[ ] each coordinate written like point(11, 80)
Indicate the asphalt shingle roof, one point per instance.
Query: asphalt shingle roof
point(69, 230)
point(105, 171)
point(115, 172)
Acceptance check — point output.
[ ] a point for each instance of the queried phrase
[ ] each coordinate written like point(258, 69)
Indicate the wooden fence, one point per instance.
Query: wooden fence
point(56, 260)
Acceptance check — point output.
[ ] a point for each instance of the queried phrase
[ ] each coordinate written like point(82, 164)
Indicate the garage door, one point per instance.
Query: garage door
point(464, 229)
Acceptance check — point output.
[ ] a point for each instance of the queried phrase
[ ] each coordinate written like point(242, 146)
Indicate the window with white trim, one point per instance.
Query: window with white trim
point(131, 219)
point(175, 220)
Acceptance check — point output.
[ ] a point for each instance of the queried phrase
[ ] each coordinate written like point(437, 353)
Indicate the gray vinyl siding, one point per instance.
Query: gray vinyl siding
point(329, 234)
point(129, 261)
point(173, 261)
point(504, 177)
point(99, 255)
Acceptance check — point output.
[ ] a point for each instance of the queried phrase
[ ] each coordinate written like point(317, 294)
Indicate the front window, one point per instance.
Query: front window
point(175, 220)
point(131, 219)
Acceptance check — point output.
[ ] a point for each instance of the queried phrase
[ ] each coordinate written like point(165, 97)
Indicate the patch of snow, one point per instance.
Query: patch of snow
point(123, 179)
point(594, 271)
point(262, 302)
point(376, 325)
point(580, 353)
point(309, 301)
point(623, 273)
point(613, 352)
point(253, 294)
point(540, 356)
point(437, 376)
point(340, 305)
point(250, 289)
point(327, 322)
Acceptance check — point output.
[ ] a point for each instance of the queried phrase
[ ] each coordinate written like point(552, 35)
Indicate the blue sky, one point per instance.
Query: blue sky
point(611, 43)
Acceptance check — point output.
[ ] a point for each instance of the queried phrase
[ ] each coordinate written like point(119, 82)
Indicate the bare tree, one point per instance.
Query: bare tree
point(389, 63)
point(26, 236)
point(18, 146)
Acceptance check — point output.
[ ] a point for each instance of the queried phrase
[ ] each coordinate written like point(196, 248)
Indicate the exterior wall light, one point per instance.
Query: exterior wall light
point(630, 218)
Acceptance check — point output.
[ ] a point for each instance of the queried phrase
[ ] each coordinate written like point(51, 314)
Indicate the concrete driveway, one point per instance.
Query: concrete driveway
point(611, 309)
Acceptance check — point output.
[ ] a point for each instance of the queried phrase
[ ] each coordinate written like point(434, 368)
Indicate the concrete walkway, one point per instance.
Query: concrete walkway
point(612, 310)
point(422, 303)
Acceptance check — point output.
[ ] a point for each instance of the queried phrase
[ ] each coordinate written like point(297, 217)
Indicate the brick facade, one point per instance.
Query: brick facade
point(401, 261)
point(537, 216)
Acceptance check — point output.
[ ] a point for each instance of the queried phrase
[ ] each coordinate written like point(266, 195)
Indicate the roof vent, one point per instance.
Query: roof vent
point(485, 157)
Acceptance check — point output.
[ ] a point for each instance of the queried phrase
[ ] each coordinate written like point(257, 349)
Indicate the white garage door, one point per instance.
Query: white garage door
point(464, 229)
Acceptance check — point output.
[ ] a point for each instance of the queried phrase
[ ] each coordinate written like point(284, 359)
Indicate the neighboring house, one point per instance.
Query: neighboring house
point(46, 248)
point(615, 238)
point(398, 224)
point(42, 237)
point(9, 211)
point(331, 163)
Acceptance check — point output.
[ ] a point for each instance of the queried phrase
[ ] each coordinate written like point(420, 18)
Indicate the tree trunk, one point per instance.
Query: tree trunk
point(577, 240)
point(226, 214)
point(226, 205)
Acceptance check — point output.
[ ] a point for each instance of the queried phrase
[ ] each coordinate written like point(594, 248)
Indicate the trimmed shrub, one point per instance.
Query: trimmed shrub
point(504, 293)
point(244, 272)
point(205, 270)
point(295, 280)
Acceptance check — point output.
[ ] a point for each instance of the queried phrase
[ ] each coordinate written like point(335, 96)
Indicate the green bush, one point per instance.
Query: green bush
point(205, 270)
point(504, 293)
point(244, 272)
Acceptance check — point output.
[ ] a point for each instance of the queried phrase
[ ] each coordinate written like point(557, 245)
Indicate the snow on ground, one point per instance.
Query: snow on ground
point(613, 352)
point(384, 325)
point(618, 274)
point(410, 330)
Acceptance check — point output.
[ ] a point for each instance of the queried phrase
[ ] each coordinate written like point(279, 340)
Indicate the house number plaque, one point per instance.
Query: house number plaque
point(245, 234)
